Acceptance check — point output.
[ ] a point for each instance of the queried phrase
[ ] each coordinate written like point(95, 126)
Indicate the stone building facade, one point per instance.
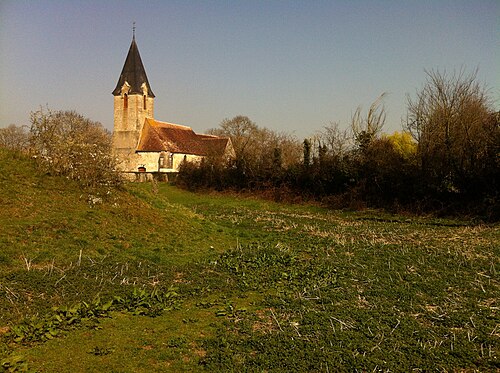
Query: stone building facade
point(142, 143)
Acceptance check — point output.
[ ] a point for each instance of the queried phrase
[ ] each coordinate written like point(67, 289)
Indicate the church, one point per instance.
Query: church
point(143, 144)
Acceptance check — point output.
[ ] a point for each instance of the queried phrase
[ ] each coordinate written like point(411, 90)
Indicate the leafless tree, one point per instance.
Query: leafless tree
point(240, 130)
point(450, 119)
point(258, 148)
point(14, 137)
point(365, 129)
point(290, 148)
point(337, 140)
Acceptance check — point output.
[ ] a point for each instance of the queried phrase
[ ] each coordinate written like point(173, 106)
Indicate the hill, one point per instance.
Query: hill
point(153, 278)
point(49, 225)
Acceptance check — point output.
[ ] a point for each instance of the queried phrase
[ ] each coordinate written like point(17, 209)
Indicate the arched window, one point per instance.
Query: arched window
point(125, 101)
point(144, 99)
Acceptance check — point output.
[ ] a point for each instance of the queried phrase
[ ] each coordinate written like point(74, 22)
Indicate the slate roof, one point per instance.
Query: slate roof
point(159, 136)
point(133, 73)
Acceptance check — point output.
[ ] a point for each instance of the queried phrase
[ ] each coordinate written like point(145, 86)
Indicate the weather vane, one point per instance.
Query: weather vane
point(133, 29)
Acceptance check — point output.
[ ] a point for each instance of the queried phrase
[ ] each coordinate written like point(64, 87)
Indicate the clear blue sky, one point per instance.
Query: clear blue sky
point(290, 66)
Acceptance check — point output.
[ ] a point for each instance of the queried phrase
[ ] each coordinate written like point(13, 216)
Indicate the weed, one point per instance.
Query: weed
point(142, 302)
point(230, 311)
point(15, 363)
point(100, 351)
point(263, 286)
point(39, 329)
point(177, 342)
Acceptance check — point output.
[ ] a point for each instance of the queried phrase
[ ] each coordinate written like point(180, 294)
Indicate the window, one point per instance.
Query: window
point(125, 101)
point(144, 99)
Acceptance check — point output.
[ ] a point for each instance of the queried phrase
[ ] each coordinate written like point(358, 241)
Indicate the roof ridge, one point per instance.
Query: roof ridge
point(172, 124)
point(207, 135)
point(163, 136)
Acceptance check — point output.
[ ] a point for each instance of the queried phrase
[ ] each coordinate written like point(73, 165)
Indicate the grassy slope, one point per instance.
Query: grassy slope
point(321, 290)
point(47, 224)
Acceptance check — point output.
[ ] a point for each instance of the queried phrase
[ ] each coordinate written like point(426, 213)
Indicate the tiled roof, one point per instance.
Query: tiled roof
point(159, 136)
point(133, 73)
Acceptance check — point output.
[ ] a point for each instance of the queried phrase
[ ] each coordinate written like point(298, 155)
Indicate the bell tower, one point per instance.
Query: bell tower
point(134, 102)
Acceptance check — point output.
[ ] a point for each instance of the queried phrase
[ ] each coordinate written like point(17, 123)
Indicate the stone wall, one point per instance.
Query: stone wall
point(128, 122)
point(150, 176)
point(150, 160)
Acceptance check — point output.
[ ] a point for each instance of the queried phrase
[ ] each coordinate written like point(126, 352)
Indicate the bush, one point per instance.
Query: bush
point(66, 143)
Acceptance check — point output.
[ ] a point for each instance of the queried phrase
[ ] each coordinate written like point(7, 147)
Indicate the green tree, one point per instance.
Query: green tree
point(307, 153)
point(403, 143)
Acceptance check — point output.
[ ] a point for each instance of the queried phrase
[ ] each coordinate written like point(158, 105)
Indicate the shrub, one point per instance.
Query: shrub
point(68, 144)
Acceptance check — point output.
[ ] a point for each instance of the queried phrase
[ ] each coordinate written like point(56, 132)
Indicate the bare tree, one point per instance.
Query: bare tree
point(449, 117)
point(14, 137)
point(366, 129)
point(290, 148)
point(240, 130)
point(337, 140)
point(257, 148)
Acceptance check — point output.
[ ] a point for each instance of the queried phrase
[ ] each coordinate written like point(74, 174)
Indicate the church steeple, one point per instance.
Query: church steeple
point(133, 73)
point(133, 102)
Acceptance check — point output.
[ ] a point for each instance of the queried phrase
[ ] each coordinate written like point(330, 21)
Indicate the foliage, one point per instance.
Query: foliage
point(148, 303)
point(100, 351)
point(68, 144)
point(403, 144)
point(14, 363)
point(36, 329)
point(450, 166)
point(138, 302)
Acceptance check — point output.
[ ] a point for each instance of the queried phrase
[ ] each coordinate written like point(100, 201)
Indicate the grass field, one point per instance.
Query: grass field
point(153, 278)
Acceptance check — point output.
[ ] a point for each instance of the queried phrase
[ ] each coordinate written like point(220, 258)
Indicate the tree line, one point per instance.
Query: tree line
point(446, 158)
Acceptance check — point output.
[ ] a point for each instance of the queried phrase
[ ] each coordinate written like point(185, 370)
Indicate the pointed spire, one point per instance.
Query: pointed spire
point(133, 72)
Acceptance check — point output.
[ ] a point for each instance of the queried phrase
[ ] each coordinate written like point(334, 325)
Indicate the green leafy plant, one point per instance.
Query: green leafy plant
point(100, 351)
point(14, 363)
point(34, 329)
point(230, 311)
point(148, 303)
point(138, 302)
